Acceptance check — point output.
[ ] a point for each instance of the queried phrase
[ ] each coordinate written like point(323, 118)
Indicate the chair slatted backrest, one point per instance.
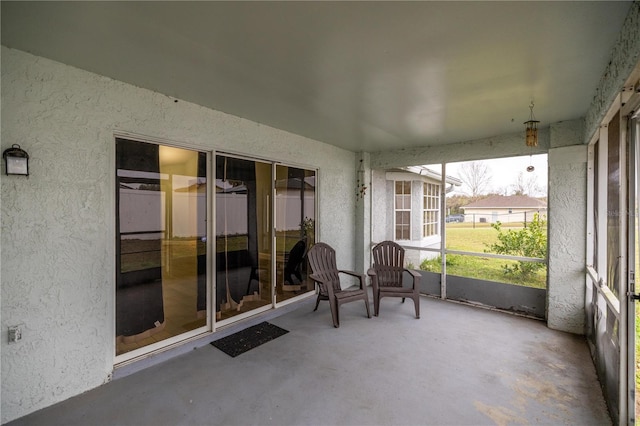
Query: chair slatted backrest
point(322, 259)
point(388, 261)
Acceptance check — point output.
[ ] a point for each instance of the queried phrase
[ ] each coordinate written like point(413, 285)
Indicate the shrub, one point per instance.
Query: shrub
point(432, 265)
point(526, 242)
point(435, 264)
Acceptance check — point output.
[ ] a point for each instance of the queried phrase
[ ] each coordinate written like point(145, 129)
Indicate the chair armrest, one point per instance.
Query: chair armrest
point(322, 284)
point(362, 277)
point(415, 275)
point(352, 273)
point(373, 274)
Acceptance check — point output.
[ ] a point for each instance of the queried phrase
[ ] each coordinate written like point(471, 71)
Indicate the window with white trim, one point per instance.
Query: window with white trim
point(430, 209)
point(403, 210)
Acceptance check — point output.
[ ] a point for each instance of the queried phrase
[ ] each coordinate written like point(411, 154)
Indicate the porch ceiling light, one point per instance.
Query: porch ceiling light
point(16, 161)
point(531, 127)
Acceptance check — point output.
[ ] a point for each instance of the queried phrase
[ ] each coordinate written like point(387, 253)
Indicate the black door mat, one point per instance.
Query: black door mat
point(248, 338)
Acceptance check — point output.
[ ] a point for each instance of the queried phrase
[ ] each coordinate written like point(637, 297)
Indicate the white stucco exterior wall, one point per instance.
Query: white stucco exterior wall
point(624, 58)
point(58, 255)
point(501, 146)
point(567, 243)
point(381, 216)
point(363, 215)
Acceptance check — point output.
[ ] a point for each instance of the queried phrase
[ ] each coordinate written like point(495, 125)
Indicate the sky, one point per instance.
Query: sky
point(504, 173)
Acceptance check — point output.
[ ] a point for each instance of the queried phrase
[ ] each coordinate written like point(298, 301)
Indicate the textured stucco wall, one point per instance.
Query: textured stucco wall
point(494, 147)
point(381, 221)
point(567, 242)
point(624, 58)
point(363, 215)
point(566, 133)
point(58, 225)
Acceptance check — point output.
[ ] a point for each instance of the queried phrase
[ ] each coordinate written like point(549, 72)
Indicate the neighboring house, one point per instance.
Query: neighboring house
point(411, 198)
point(513, 208)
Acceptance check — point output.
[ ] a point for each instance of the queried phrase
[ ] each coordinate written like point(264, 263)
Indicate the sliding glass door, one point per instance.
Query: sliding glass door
point(243, 236)
point(173, 280)
point(295, 229)
point(161, 197)
point(261, 245)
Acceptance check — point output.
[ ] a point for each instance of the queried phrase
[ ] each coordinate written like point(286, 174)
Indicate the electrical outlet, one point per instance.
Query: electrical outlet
point(15, 333)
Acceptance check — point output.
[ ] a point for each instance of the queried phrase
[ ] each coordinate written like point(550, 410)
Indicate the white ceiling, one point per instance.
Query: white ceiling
point(360, 75)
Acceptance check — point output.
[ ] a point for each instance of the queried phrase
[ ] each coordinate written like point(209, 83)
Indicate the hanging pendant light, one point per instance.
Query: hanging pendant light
point(531, 127)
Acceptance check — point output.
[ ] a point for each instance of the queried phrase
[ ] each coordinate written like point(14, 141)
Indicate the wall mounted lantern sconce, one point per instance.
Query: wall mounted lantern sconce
point(16, 161)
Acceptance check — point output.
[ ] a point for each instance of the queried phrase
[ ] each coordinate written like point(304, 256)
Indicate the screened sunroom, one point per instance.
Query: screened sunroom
point(183, 157)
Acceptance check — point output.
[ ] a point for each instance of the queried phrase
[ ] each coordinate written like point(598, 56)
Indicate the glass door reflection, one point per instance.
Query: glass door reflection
point(161, 276)
point(295, 229)
point(243, 236)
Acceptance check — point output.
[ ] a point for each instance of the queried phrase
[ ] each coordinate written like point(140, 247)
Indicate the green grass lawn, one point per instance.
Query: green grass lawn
point(468, 239)
point(463, 237)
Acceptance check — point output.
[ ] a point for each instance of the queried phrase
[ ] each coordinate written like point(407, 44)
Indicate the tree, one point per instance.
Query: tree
point(454, 202)
point(476, 176)
point(526, 242)
point(526, 186)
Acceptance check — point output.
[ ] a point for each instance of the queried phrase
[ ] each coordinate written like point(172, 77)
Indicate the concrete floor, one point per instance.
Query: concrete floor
point(457, 365)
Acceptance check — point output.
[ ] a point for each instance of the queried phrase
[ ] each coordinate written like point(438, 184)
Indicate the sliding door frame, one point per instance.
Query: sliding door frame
point(180, 339)
point(211, 324)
